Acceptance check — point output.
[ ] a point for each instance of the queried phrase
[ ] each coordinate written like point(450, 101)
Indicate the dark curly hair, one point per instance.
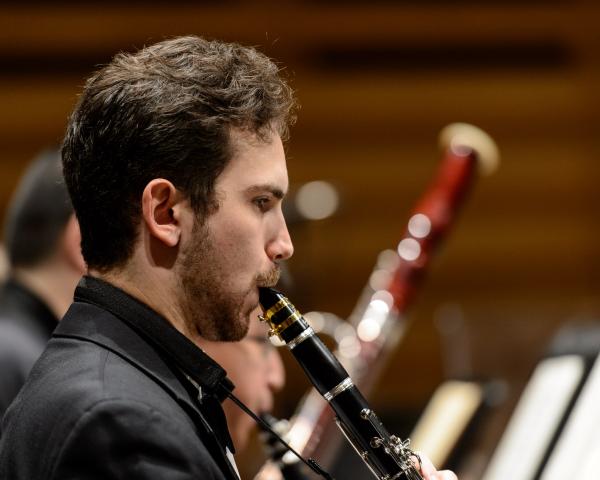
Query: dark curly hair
point(163, 112)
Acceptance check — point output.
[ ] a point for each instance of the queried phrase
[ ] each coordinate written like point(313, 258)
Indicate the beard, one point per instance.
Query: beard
point(210, 306)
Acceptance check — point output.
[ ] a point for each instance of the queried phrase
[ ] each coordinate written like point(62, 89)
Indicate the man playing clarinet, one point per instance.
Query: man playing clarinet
point(175, 165)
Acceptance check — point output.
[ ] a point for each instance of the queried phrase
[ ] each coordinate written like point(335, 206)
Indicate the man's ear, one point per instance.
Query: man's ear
point(158, 201)
point(71, 245)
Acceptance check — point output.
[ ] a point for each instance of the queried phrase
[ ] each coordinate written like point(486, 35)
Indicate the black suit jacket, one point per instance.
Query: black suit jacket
point(103, 402)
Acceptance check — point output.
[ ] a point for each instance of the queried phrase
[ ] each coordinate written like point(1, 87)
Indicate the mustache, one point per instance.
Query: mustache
point(270, 278)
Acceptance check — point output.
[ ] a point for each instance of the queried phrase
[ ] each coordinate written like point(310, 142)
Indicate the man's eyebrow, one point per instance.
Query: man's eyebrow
point(274, 190)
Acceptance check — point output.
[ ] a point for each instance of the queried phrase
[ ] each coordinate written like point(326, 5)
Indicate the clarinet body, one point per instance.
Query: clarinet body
point(388, 457)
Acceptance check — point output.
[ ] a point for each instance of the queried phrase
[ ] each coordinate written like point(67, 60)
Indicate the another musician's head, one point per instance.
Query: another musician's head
point(175, 164)
point(42, 236)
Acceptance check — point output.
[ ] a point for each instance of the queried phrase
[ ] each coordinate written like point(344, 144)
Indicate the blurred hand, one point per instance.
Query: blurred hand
point(430, 473)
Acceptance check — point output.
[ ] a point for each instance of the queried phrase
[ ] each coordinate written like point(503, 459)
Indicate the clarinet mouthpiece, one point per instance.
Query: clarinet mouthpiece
point(268, 297)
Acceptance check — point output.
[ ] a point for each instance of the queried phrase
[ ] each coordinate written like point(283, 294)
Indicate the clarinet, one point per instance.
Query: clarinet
point(387, 456)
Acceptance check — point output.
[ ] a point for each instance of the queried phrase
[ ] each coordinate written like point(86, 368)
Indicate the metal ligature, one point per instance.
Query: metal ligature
point(387, 456)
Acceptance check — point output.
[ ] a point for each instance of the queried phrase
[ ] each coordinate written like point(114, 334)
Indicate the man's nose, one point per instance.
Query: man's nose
point(281, 248)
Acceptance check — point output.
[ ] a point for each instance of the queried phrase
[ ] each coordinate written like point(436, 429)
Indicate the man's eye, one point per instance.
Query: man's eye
point(262, 203)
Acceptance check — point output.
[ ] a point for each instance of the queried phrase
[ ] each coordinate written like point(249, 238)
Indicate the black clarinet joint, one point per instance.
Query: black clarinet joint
point(388, 457)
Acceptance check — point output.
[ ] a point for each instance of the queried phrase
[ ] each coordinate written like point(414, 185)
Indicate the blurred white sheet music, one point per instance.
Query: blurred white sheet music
point(536, 418)
point(445, 419)
point(577, 452)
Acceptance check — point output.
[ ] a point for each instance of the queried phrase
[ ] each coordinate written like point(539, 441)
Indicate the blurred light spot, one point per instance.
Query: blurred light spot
point(317, 200)
point(409, 249)
point(384, 296)
point(380, 279)
point(349, 347)
point(316, 320)
point(276, 341)
point(368, 329)
point(379, 306)
point(419, 225)
point(343, 330)
point(300, 433)
point(388, 260)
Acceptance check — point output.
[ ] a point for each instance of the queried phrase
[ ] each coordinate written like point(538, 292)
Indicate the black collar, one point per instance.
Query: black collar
point(156, 330)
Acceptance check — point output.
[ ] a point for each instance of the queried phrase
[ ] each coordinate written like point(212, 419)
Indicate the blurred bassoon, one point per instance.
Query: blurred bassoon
point(379, 318)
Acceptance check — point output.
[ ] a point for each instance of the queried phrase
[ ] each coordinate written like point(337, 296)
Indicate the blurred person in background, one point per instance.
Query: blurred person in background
point(255, 367)
point(42, 242)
